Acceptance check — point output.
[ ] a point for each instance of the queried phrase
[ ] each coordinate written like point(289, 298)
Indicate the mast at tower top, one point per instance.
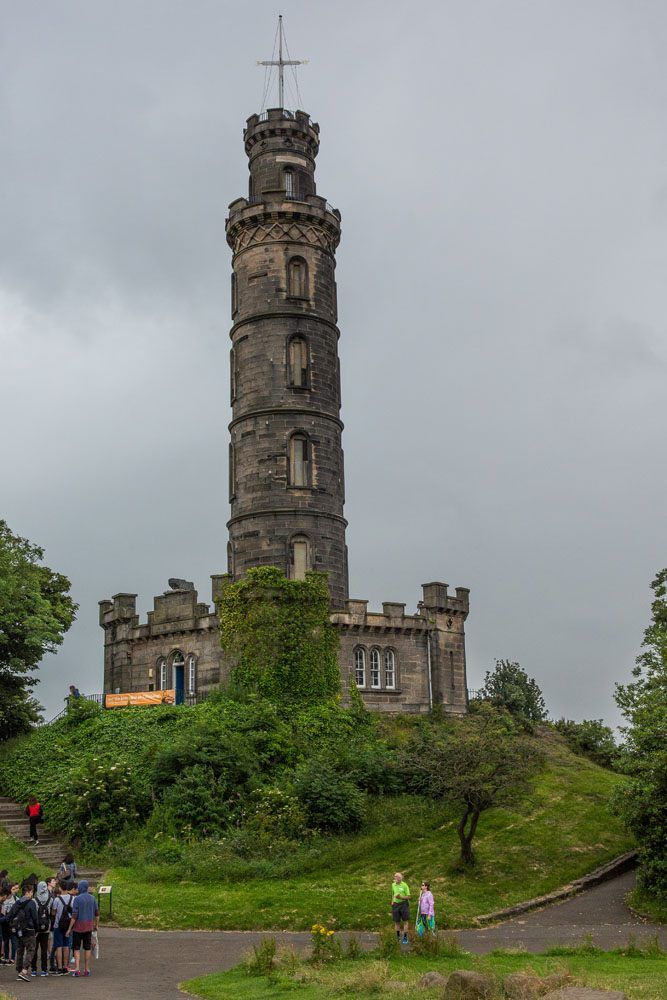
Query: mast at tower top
point(280, 62)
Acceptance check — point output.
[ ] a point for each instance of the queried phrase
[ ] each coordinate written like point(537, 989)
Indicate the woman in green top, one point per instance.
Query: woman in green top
point(400, 906)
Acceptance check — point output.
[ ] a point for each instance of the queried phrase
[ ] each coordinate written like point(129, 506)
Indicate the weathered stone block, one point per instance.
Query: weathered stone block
point(464, 984)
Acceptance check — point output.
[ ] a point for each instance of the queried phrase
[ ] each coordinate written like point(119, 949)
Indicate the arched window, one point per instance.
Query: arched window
point(298, 363)
point(297, 278)
point(232, 375)
point(162, 673)
point(299, 557)
point(375, 668)
point(288, 176)
point(232, 472)
point(192, 674)
point(360, 666)
point(299, 460)
point(389, 668)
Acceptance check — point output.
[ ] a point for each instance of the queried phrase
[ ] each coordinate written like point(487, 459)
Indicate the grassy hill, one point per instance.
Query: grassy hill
point(161, 880)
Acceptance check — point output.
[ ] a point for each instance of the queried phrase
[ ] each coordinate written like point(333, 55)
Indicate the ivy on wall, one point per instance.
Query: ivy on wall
point(279, 634)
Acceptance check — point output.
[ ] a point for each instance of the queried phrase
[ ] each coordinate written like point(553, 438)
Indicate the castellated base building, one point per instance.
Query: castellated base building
point(286, 479)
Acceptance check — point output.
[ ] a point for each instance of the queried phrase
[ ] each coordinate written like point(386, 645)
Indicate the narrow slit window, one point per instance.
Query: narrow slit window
point(298, 362)
point(297, 278)
point(192, 674)
point(299, 557)
point(360, 667)
point(162, 673)
point(389, 669)
point(375, 668)
point(232, 374)
point(299, 461)
point(289, 183)
point(232, 472)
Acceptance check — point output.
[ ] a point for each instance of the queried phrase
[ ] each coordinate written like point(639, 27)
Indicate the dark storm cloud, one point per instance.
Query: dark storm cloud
point(500, 170)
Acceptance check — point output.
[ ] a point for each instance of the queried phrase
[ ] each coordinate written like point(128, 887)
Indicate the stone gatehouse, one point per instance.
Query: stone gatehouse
point(286, 471)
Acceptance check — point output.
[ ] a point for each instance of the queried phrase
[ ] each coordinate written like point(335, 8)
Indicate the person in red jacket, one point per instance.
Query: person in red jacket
point(34, 813)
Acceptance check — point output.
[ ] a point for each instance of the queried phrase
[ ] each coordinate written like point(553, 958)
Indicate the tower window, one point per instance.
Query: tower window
point(288, 176)
point(232, 374)
point(162, 673)
point(235, 297)
point(299, 557)
point(375, 668)
point(389, 668)
point(297, 278)
point(299, 460)
point(360, 667)
point(192, 674)
point(298, 363)
point(232, 472)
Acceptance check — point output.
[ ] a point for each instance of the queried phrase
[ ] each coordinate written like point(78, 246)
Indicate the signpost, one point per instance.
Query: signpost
point(104, 890)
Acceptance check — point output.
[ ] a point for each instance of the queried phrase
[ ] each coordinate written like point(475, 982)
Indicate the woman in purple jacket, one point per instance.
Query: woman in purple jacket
point(425, 910)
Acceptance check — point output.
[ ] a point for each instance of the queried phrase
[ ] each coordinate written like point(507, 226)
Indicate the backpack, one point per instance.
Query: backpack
point(43, 918)
point(65, 915)
point(17, 917)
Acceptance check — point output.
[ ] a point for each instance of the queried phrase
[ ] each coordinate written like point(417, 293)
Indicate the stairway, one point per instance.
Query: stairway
point(49, 850)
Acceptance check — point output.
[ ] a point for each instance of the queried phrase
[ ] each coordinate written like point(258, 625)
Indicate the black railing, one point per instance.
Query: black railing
point(473, 693)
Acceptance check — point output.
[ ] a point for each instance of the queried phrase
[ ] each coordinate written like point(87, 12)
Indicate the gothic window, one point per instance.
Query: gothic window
point(375, 668)
point(192, 674)
point(389, 668)
point(299, 460)
point(299, 557)
point(232, 472)
point(230, 559)
point(297, 278)
point(360, 667)
point(232, 374)
point(235, 297)
point(288, 176)
point(298, 363)
point(162, 673)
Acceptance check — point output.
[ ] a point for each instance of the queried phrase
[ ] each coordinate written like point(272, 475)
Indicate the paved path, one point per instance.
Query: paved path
point(143, 965)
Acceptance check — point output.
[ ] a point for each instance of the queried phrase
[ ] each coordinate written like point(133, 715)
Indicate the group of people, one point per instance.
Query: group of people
point(400, 908)
point(53, 920)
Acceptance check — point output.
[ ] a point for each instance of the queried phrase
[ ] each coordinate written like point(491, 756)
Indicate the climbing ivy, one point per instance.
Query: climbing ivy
point(280, 636)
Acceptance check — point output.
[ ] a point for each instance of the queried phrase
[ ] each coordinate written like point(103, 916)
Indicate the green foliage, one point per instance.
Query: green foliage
point(281, 637)
point(642, 803)
point(325, 947)
point(510, 687)
point(96, 800)
point(275, 813)
point(485, 762)
point(591, 738)
point(331, 801)
point(197, 803)
point(35, 613)
point(263, 958)
point(79, 710)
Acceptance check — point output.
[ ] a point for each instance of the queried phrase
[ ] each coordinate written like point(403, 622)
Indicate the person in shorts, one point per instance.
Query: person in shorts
point(400, 906)
point(62, 943)
point(85, 917)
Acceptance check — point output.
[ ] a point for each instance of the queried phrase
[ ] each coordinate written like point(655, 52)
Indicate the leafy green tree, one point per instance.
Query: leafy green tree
point(35, 613)
point(280, 635)
point(643, 801)
point(510, 687)
point(590, 738)
point(482, 761)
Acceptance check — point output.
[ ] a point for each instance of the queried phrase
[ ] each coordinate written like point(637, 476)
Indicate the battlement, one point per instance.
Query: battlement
point(281, 129)
point(437, 608)
point(177, 609)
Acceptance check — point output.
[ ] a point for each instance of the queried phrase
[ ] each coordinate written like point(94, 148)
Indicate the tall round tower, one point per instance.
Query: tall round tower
point(286, 481)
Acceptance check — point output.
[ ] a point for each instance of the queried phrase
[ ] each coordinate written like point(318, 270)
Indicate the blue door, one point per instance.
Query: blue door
point(179, 682)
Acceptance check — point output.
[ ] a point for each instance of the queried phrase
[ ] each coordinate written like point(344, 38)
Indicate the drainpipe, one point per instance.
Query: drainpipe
point(428, 660)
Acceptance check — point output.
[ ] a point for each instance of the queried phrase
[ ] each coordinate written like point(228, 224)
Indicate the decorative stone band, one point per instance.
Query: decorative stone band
point(302, 411)
point(258, 317)
point(297, 511)
point(279, 232)
point(623, 863)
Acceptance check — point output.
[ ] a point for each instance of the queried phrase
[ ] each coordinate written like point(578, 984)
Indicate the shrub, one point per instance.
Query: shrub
point(325, 946)
point(331, 802)
point(510, 687)
point(97, 800)
point(276, 813)
point(262, 960)
point(196, 804)
point(590, 738)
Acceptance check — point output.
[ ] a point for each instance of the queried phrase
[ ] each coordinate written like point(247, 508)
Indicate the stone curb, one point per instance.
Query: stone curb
point(617, 866)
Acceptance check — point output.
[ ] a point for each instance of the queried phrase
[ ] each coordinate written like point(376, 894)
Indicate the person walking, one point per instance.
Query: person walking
point(400, 906)
point(23, 923)
point(34, 813)
point(42, 901)
point(84, 920)
point(425, 910)
point(8, 939)
point(62, 915)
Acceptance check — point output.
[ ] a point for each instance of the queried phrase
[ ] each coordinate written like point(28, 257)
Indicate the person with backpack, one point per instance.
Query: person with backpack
point(42, 900)
point(4, 923)
point(62, 915)
point(84, 920)
point(67, 870)
point(23, 923)
point(8, 939)
point(35, 815)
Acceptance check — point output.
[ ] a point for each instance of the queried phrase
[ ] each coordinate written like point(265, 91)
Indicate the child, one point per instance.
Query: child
point(425, 910)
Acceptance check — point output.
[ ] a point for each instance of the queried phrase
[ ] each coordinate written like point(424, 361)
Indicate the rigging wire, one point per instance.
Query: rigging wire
point(268, 70)
point(293, 68)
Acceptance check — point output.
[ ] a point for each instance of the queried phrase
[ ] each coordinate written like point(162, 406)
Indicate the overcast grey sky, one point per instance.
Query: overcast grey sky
point(501, 169)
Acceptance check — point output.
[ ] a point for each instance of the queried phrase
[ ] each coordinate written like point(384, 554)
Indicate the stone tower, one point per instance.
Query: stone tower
point(286, 483)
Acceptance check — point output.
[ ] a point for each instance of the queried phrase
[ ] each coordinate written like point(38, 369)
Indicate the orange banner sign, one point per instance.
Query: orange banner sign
point(139, 698)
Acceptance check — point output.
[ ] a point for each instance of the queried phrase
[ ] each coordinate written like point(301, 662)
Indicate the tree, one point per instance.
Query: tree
point(510, 687)
point(643, 801)
point(35, 613)
point(280, 635)
point(591, 738)
point(480, 762)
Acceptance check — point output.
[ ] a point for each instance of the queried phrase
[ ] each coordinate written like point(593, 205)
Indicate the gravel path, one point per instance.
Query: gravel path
point(142, 965)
